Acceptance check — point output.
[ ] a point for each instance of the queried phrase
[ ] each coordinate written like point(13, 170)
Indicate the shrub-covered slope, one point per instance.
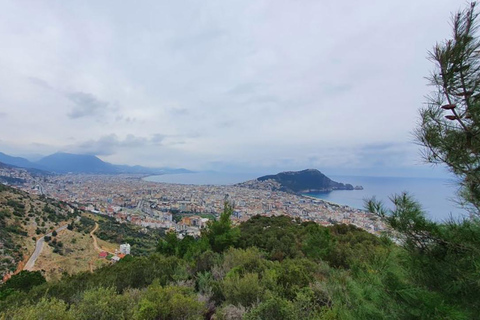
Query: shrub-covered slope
point(267, 268)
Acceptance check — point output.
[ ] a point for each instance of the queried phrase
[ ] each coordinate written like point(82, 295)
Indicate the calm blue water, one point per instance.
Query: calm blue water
point(434, 194)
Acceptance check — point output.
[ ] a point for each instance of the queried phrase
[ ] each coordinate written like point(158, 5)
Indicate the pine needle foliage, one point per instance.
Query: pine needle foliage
point(449, 129)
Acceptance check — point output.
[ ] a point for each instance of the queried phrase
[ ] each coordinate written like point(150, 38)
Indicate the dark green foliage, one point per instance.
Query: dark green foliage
point(170, 303)
point(282, 237)
point(52, 309)
point(292, 275)
point(317, 242)
point(220, 233)
point(84, 225)
point(273, 309)
point(442, 257)
point(132, 272)
point(142, 242)
point(351, 244)
point(278, 236)
point(23, 281)
point(105, 304)
point(170, 244)
point(16, 205)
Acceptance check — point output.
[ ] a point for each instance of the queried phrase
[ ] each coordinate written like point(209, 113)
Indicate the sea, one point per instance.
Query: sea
point(436, 195)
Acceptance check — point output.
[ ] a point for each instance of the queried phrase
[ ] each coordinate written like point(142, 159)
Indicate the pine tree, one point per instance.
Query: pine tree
point(444, 257)
point(449, 129)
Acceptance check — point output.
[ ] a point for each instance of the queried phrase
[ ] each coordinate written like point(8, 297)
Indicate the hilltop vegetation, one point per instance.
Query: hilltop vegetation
point(290, 270)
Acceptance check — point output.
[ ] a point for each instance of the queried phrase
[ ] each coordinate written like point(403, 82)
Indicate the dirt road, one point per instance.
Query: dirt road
point(95, 243)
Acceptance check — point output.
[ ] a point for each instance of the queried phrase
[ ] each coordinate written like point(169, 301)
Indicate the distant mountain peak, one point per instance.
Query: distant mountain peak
point(63, 162)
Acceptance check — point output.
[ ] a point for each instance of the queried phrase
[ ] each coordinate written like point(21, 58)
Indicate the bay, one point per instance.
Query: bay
point(436, 196)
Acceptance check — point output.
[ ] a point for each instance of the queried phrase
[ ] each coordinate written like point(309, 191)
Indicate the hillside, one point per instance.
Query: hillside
point(266, 268)
point(25, 218)
point(309, 180)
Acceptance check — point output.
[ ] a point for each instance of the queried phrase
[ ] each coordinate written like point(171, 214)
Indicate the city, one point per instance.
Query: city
point(130, 199)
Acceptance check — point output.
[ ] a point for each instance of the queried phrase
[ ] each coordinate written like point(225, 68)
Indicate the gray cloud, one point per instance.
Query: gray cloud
point(179, 111)
point(110, 144)
point(332, 89)
point(85, 105)
point(250, 84)
point(40, 82)
point(158, 138)
point(244, 88)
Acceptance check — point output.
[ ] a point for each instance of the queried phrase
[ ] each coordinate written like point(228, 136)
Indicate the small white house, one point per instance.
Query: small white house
point(125, 248)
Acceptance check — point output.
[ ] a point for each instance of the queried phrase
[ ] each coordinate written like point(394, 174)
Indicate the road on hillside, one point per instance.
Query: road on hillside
point(95, 243)
point(38, 249)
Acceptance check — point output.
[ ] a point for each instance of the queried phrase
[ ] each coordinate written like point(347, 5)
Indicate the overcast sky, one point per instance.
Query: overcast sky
point(220, 85)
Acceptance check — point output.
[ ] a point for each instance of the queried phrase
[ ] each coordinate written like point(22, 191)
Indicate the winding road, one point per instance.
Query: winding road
point(38, 248)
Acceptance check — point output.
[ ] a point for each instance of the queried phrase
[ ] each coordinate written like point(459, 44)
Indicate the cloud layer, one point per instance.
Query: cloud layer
point(240, 85)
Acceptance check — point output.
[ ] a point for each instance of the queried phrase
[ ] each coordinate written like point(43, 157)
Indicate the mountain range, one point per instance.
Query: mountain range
point(62, 162)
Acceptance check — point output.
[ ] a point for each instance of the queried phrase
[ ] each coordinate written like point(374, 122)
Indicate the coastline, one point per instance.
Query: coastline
point(432, 193)
point(330, 202)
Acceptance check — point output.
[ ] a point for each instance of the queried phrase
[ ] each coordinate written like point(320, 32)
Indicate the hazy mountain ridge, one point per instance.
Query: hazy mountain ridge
point(17, 161)
point(62, 162)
